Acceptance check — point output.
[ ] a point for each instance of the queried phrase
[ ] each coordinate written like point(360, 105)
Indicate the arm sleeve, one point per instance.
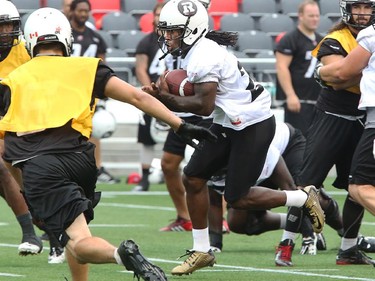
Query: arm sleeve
point(103, 73)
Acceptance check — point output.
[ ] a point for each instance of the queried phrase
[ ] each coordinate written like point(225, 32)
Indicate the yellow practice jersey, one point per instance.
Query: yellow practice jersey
point(347, 41)
point(16, 57)
point(49, 91)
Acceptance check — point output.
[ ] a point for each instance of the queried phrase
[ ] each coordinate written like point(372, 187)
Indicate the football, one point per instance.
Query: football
point(178, 83)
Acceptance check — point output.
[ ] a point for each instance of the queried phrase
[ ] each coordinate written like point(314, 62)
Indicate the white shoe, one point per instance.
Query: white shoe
point(27, 248)
point(56, 255)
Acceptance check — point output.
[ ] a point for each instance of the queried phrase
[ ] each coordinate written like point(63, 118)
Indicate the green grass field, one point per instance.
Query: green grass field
point(122, 215)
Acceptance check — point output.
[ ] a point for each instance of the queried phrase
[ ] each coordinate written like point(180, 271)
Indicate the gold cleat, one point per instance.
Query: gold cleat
point(313, 209)
point(195, 261)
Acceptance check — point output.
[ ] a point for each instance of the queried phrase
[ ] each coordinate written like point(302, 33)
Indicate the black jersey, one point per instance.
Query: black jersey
point(302, 66)
point(341, 101)
point(88, 43)
point(149, 46)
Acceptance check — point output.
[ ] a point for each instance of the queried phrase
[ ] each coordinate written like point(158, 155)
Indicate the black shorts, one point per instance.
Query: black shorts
point(174, 144)
point(244, 153)
point(363, 167)
point(144, 135)
point(330, 141)
point(302, 119)
point(60, 187)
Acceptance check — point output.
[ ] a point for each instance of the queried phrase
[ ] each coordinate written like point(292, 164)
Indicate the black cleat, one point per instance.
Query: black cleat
point(366, 244)
point(353, 256)
point(134, 261)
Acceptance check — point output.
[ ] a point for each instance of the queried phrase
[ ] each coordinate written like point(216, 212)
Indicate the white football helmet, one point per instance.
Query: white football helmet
point(159, 130)
point(206, 3)
point(190, 16)
point(346, 12)
point(9, 14)
point(47, 25)
point(103, 124)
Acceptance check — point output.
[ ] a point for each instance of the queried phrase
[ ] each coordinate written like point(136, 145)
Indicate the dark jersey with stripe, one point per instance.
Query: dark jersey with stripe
point(302, 66)
point(88, 44)
point(342, 101)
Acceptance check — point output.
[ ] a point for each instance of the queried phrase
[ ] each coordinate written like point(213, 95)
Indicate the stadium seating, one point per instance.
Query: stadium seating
point(146, 22)
point(57, 4)
point(253, 41)
point(237, 22)
point(115, 22)
point(290, 8)
point(137, 8)
point(26, 6)
point(218, 8)
point(324, 25)
point(275, 23)
point(99, 8)
point(107, 37)
point(258, 8)
point(128, 40)
point(330, 9)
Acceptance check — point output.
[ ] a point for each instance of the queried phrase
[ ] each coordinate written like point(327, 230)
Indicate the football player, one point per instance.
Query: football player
point(12, 55)
point(47, 124)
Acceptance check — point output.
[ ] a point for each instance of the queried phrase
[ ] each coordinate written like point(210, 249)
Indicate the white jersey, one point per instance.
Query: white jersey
point(366, 38)
point(278, 145)
point(234, 107)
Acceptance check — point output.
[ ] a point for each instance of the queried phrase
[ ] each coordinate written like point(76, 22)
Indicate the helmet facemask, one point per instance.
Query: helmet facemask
point(189, 17)
point(347, 14)
point(10, 34)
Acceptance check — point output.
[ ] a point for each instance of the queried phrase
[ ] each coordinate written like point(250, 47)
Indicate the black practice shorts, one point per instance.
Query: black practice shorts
point(60, 187)
point(144, 135)
point(363, 166)
point(174, 144)
point(330, 141)
point(243, 152)
point(302, 119)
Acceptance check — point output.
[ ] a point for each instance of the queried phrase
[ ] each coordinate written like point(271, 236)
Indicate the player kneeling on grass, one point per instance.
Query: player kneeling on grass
point(48, 104)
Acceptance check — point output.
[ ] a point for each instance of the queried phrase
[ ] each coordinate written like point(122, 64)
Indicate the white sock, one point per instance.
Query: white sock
point(295, 198)
point(347, 243)
point(288, 235)
point(117, 257)
point(282, 220)
point(201, 240)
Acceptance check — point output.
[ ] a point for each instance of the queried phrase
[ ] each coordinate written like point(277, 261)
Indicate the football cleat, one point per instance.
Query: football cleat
point(284, 252)
point(321, 244)
point(179, 224)
point(366, 244)
point(353, 256)
point(195, 261)
point(313, 209)
point(106, 178)
point(134, 261)
point(31, 245)
point(309, 245)
point(56, 255)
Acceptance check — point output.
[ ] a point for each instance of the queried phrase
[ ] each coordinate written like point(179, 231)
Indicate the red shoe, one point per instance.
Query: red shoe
point(179, 224)
point(284, 253)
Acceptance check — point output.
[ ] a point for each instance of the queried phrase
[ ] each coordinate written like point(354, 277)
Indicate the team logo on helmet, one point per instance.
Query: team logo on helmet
point(187, 8)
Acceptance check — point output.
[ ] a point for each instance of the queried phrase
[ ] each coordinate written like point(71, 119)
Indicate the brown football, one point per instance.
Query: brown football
point(178, 83)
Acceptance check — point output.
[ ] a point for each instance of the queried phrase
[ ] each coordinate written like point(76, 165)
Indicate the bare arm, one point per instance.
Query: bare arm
point(120, 90)
point(346, 69)
point(326, 60)
point(285, 80)
point(202, 103)
point(141, 65)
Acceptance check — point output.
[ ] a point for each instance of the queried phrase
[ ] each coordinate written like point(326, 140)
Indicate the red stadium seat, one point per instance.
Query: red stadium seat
point(146, 22)
point(218, 8)
point(101, 7)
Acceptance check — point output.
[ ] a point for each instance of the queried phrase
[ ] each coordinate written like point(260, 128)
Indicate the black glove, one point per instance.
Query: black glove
point(318, 79)
point(189, 132)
